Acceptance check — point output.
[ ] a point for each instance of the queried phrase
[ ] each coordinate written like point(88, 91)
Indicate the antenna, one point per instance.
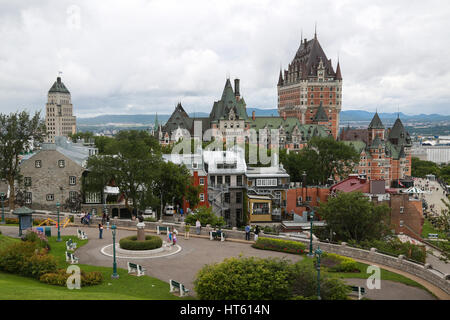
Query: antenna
point(315, 30)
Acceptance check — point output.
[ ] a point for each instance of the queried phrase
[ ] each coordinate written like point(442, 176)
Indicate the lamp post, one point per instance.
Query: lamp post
point(311, 216)
point(318, 252)
point(59, 233)
point(3, 209)
point(114, 275)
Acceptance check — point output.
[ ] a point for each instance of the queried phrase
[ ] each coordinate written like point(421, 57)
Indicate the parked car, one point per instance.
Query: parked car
point(149, 213)
point(169, 210)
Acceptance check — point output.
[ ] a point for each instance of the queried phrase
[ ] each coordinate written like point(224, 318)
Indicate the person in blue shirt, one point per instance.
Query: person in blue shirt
point(247, 232)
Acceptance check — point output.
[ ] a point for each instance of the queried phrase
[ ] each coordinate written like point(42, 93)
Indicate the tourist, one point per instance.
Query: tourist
point(198, 226)
point(107, 222)
point(174, 237)
point(169, 236)
point(256, 233)
point(187, 228)
point(100, 230)
point(181, 214)
point(247, 232)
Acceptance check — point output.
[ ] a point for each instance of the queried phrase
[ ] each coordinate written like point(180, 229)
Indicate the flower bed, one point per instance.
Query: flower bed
point(280, 245)
point(337, 263)
point(59, 278)
point(131, 243)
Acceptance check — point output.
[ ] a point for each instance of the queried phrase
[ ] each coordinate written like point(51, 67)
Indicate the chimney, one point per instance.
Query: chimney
point(236, 89)
point(58, 79)
point(284, 115)
point(253, 115)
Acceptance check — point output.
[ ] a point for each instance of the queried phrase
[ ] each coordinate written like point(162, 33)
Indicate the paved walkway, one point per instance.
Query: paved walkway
point(195, 253)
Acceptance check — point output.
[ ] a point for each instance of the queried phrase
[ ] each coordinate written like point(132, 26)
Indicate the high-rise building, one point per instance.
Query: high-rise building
point(59, 117)
point(310, 89)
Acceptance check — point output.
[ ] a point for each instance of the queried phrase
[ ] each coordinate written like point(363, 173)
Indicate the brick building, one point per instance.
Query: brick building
point(385, 154)
point(310, 89)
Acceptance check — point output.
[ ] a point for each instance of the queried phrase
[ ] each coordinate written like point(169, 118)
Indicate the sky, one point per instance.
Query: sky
point(143, 57)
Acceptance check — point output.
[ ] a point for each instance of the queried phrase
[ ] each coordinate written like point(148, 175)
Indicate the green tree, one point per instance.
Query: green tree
point(353, 217)
point(192, 195)
point(321, 159)
point(18, 133)
point(206, 216)
point(420, 168)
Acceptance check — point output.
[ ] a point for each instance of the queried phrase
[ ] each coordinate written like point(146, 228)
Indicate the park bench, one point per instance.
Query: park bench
point(433, 236)
point(160, 229)
point(214, 235)
point(81, 234)
point(133, 267)
point(176, 286)
point(71, 258)
point(359, 290)
point(70, 245)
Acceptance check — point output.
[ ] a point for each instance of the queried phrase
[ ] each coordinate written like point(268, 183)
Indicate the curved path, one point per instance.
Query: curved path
point(198, 251)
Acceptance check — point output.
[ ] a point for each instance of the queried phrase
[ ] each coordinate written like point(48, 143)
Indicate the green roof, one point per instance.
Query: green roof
point(358, 145)
point(320, 116)
point(221, 108)
point(398, 134)
point(23, 211)
point(376, 122)
point(59, 86)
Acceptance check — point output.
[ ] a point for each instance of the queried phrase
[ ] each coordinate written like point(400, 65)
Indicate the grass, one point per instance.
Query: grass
point(127, 287)
point(428, 228)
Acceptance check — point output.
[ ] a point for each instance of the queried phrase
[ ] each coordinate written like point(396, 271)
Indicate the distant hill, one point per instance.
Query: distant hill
point(347, 115)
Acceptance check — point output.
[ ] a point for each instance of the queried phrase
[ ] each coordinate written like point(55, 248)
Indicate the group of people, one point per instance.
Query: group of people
point(172, 236)
point(248, 230)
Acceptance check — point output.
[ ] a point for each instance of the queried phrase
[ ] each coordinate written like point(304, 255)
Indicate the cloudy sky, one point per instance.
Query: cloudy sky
point(143, 56)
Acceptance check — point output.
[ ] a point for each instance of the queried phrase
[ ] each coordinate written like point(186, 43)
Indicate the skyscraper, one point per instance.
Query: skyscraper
point(59, 117)
point(310, 89)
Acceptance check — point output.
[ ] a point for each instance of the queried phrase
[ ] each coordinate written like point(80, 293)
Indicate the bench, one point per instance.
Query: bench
point(359, 290)
point(133, 267)
point(71, 258)
point(163, 229)
point(81, 234)
point(176, 286)
point(71, 245)
point(214, 235)
point(433, 236)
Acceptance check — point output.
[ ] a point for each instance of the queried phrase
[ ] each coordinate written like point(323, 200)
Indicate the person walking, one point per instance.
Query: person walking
point(100, 230)
point(187, 229)
point(198, 226)
point(174, 238)
point(247, 232)
point(256, 233)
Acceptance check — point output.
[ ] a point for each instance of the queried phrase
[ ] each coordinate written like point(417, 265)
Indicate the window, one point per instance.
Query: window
point(238, 197)
point(308, 199)
point(239, 181)
point(92, 197)
point(202, 181)
point(28, 197)
point(266, 182)
point(227, 197)
point(27, 181)
point(213, 180)
point(401, 209)
point(227, 180)
point(219, 179)
point(72, 180)
point(73, 196)
point(50, 197)
point(38, 163)
point(61, 163)
point(194, 165)
point(299, 201)
point(202, 197)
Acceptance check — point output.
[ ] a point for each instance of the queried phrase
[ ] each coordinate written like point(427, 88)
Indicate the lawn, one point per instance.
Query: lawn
point(428, 228)
point(127, 287)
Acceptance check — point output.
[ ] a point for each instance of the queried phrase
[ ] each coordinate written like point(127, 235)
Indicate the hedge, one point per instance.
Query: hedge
point(280, 245)
point(59, 278)
point(337, 263)
point(131, 243)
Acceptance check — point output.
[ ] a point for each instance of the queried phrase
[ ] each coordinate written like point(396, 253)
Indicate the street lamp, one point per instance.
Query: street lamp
point(318, 252)
point(59, 233)
point(114, 275)
point(311, 216)
point(3, 209)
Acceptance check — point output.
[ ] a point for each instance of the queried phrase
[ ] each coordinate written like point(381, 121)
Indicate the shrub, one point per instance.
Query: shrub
point(150, 219)
point(12, 220)
point(304, 285)
point(37, 237)
point(337, 263)
point(280, 245)
point(59, 278)
point(27, 259)
point(131, 243)
point(244, 279)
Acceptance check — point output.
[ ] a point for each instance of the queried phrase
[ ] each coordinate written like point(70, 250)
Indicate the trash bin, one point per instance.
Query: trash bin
point(40, 229)
point(48, 231)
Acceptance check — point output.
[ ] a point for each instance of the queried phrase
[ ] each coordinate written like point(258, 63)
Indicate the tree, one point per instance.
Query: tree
point(443, 220)
point(19, 133)
point(352, 216)
point(128, 161)
point(420, 168)
point(192, 195)
point(206, 216)
point(321, 159)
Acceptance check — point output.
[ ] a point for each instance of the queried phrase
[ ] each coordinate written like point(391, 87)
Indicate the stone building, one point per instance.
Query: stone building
point(59, 118)
point(310, 83)
point(53, 173)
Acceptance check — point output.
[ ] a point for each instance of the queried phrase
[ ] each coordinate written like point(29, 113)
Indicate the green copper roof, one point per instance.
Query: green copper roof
point(398, 134)
point(376, 122)
point(376, 143)
point(23, 211)
point(358, 145)
point(221, 108)
point(59, 86)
